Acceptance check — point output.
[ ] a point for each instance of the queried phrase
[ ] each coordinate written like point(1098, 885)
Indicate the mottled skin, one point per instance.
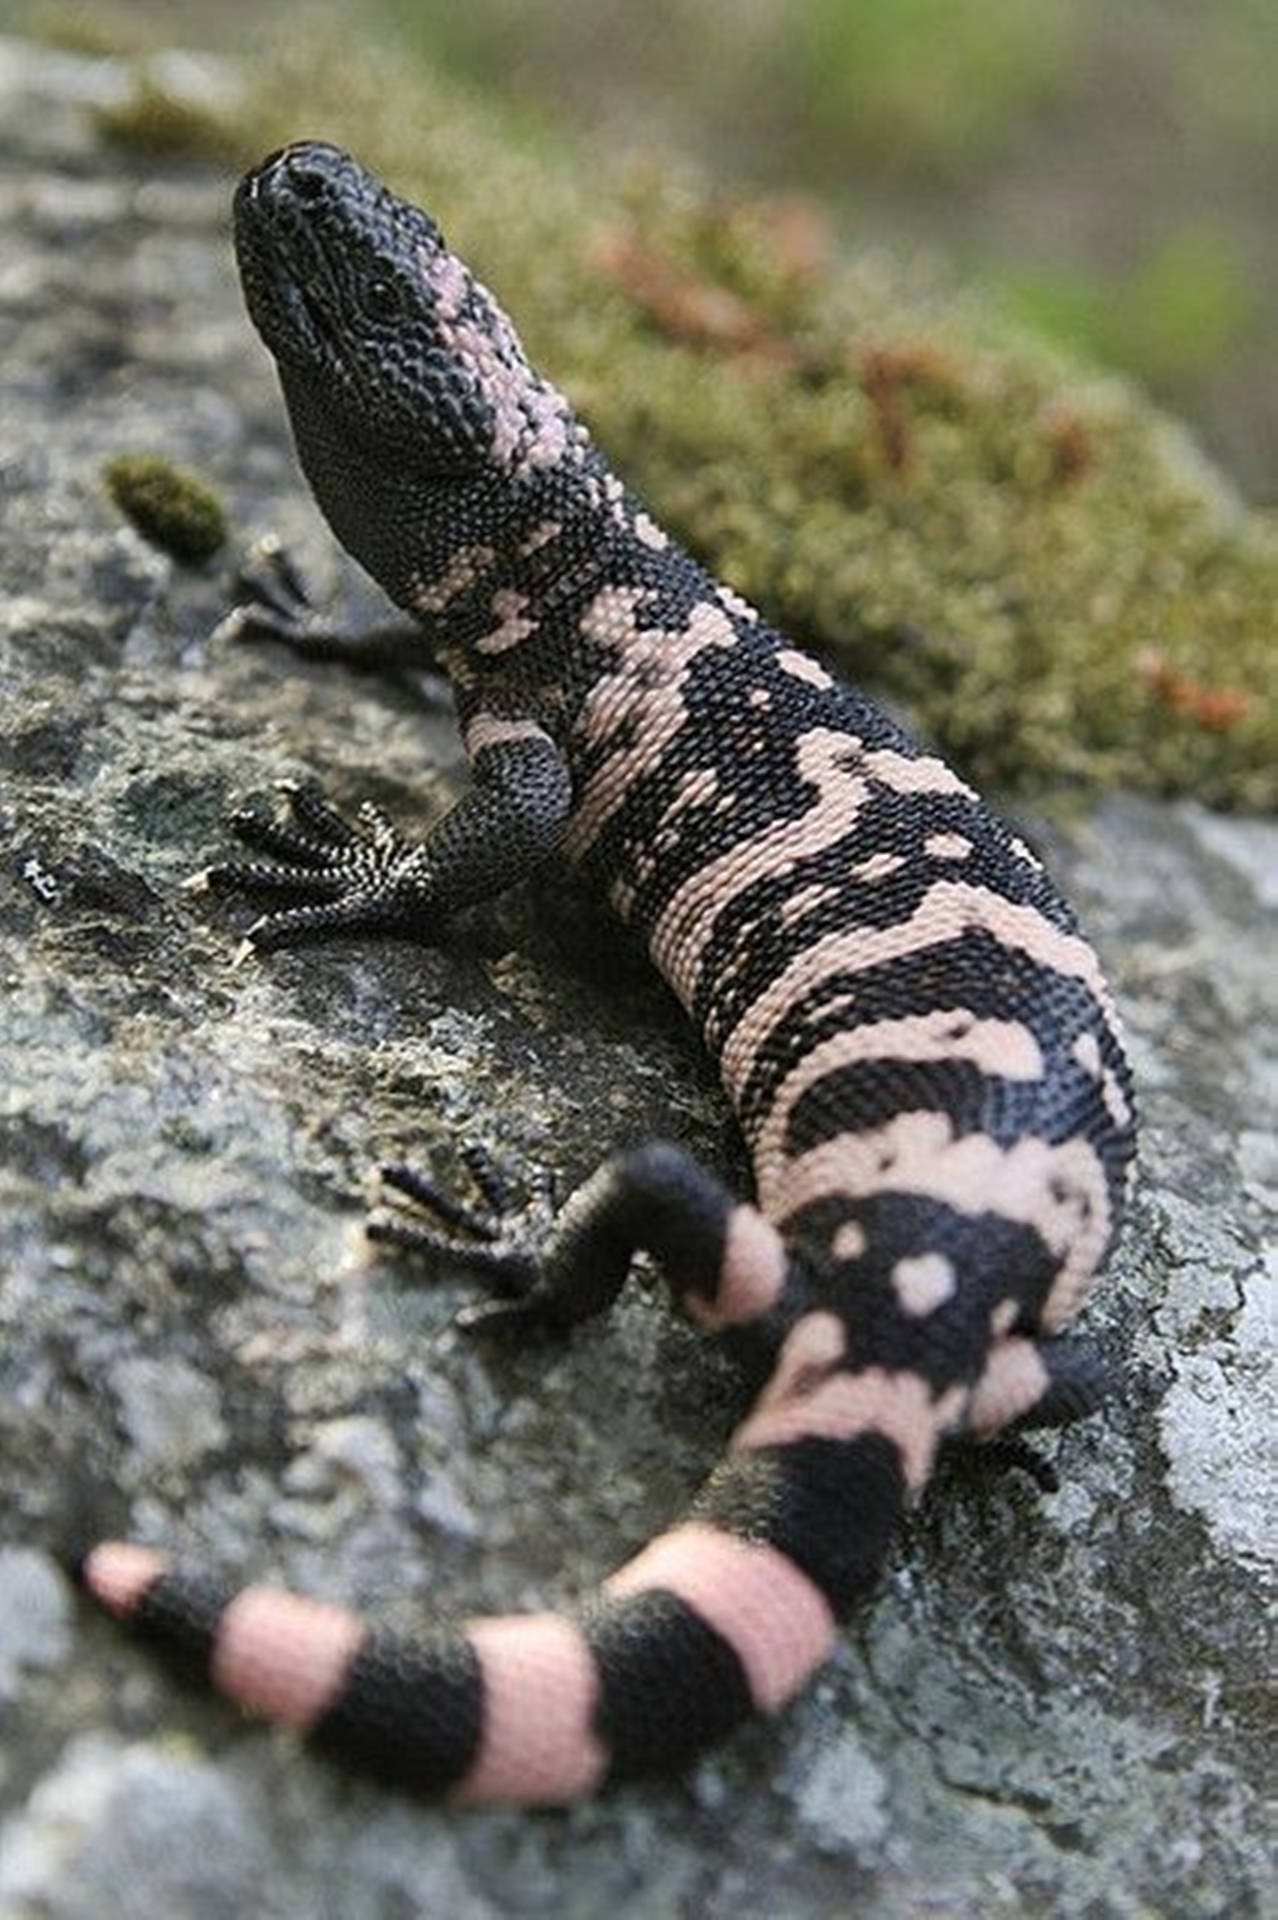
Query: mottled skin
point(915, 1036)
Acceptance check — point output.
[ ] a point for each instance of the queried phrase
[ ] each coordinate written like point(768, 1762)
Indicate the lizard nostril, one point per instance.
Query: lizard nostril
point(307, 168)
point(308, 183)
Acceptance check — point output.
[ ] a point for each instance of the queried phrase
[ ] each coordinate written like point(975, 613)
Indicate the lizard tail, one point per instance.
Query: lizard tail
point(725, 1615)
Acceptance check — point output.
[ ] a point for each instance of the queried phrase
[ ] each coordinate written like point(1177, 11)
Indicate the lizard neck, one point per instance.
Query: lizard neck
point(484, 559)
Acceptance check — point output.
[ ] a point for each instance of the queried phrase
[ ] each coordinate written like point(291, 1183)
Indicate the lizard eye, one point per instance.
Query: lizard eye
point(382, 300)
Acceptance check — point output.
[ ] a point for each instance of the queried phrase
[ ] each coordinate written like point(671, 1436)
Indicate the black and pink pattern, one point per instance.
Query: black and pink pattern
point(915, 1035)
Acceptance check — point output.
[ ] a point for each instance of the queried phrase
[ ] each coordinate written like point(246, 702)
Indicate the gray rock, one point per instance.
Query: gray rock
point(169, 1411)
point(1051, 1705)
point(35, 1615)
point(112, 1832)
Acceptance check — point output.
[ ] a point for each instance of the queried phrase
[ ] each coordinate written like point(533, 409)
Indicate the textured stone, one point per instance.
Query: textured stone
point(1051, 1705)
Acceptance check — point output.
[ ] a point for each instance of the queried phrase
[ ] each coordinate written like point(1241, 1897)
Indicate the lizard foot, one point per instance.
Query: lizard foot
point(1013, 1453)
point(273, 602)
point(274, 605)
point(339, 877)
point(499, 1241)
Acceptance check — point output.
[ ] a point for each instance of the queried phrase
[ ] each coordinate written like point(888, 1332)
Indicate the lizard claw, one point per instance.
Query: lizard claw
point(335, 876)
point(275, 605)
point(273, 601)
point(499, 1241)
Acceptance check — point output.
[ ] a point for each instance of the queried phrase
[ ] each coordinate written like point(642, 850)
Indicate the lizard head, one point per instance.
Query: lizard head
point(402, 374)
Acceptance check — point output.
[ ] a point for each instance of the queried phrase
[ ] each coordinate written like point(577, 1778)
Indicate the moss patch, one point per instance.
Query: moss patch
point(1017, 546)
point(170, 507)
point(155, 122)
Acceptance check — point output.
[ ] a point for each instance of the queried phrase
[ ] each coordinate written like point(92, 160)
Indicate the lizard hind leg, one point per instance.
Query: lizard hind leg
point(1029, 1384)
point(498, 1242)
point(726, 1265)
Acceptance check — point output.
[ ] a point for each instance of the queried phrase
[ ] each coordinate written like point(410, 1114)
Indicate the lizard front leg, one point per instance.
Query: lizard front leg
point(338, 877)
point(275, 605)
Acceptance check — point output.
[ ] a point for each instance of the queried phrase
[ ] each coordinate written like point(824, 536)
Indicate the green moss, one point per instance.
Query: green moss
point(1181, 312)
point(155, 120)
point(925, 82)
point(1020, 549)
point(169, 506)
point(78, 27)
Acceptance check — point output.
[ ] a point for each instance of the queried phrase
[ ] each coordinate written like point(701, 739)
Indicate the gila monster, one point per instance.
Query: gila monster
point(916, 1039)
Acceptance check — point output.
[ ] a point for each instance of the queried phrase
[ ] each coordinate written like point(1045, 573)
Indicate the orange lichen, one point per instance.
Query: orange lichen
point(1069, 445)
point(692, 309)
point(1215, 708)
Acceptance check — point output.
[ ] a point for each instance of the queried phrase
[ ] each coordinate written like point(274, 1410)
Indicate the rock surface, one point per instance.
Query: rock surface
point(1052, 1705)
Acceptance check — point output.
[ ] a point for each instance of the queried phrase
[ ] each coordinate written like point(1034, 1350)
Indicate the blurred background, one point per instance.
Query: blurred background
point(806, 265)
point(1110, 171)
point(1107, 172)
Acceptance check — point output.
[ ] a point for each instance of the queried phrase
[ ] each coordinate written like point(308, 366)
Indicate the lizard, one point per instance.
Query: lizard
point(916, 1038)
